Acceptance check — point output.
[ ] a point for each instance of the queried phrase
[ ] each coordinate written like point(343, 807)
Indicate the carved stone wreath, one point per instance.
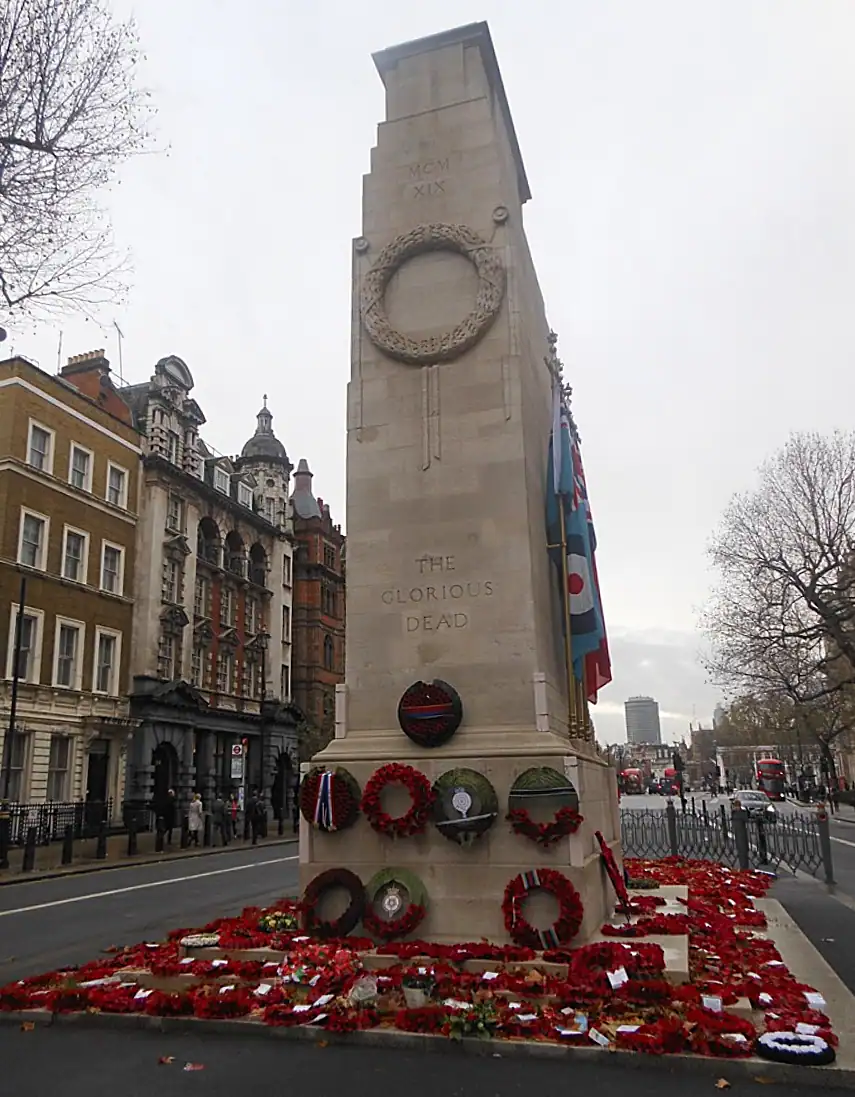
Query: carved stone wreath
point(451, 344)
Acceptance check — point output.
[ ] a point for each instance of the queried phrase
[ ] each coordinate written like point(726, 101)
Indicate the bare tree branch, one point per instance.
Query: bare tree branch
point(71, 112)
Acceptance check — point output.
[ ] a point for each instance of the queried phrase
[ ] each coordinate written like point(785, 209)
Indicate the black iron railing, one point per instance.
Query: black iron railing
point(799, 841)
point(51, 819)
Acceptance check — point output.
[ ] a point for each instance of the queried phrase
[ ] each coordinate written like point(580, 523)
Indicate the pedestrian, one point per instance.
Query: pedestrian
point(221, 821)
point(233, 813)
point(834, 800)
point(254, 810)
point(195, 814)
point(169, 811)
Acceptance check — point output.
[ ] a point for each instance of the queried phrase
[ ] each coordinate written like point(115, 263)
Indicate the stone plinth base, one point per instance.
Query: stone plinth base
point(465, 884)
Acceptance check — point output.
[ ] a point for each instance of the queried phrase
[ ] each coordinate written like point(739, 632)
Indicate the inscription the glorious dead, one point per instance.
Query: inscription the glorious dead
point(429, 600)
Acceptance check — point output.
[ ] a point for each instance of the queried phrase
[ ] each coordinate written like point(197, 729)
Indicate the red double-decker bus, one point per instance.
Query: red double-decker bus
point(630, 779)
point(670, 783)
point(771, 778)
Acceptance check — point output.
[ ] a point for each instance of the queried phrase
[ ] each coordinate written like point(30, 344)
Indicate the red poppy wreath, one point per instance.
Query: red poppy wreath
point(570, 909)
point(413, 821)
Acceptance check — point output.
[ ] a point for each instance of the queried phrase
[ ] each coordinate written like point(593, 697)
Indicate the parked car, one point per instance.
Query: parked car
point(756, 804)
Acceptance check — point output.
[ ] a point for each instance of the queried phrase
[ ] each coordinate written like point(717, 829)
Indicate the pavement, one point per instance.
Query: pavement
point(49, 923)
point(81, 1063)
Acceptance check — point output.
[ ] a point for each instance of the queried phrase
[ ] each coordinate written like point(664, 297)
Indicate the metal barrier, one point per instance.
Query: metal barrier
point(799, 841)
point(50, 820)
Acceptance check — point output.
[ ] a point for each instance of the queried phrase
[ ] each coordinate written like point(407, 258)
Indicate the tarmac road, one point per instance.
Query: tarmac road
point(47, 924)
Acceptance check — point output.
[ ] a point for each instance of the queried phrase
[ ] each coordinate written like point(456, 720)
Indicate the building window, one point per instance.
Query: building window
point(68, 647)
point(80, 467)
point(107, 655)
point(75, 554)
point(225, 672)
point(254, 681)
point(329, 557)
point(285, 682)
point(250, 623)
point(40, 447)
point(221, 480)
point(173, 443)
point(58, 767)
point(197, 664)
point(286, 624)
point(18, 766)
point(226, 607)
point(286, 571)
point(202, 598)
point(329, 653)
point(245, 495)
point(33, 538)
point(166, 657)
point(117, 485)
point(175, 514)
point(29, 662)
point(170, 590)
point(112, 568)
point(270, 509)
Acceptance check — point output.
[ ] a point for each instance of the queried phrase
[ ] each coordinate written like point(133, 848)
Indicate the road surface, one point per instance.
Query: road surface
point(46, 924)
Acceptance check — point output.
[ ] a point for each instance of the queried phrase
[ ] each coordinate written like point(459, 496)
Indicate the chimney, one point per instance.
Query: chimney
point(91, 362)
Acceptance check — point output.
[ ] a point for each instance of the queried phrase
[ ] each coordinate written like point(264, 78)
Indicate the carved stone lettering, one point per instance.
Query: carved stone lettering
point(438, 592)
point(429, 168)
point(437, 622)
point(429, 189)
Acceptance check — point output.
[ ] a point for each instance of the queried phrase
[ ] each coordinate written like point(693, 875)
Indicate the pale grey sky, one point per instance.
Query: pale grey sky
point(693, 225)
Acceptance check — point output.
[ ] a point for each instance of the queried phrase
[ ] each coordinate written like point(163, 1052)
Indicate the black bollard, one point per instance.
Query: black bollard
point(132, 837)
point(5, 836)
point(158, 836)
point(185, 832)
point(280, 827)
point(68, 845)
point(101, 843)
point(208, 835)
point(29, 862)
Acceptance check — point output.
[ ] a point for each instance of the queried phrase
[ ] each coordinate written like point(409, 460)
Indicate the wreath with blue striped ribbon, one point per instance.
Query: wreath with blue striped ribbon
point(570, 909)
point(329, 799)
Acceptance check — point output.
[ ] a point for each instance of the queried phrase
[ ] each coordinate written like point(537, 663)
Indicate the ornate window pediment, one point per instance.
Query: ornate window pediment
point(229, 636)
point(204, 633)
point(177, 547)
point(174, 619)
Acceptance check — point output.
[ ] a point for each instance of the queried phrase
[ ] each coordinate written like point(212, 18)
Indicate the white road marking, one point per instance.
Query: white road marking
point(843, 841)
point(142, 887)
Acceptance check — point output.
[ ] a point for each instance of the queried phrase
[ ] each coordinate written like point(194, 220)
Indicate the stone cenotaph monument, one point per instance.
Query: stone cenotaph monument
point(448, 576)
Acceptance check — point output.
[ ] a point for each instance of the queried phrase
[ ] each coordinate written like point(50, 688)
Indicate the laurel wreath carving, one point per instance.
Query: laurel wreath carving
point(451, 344)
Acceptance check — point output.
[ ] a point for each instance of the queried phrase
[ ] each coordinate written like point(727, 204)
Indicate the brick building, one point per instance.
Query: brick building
point(211, 664)
point(69, 482)
point(317, 664)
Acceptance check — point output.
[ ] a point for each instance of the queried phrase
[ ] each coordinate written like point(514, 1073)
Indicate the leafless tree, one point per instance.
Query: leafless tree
point(781, 614)
point(71, 111)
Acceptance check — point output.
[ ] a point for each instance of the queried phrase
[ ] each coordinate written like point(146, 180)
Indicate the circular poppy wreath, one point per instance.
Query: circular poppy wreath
point(430, 713)
point(332, 880)
point(385, 888)
point(329, 799)
point(412, 822)
point(570, 909)
point(792, 1047)
point(465, 805)
point(542, 782)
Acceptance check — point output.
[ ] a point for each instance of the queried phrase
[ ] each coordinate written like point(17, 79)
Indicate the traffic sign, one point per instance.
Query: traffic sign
point(237, 750)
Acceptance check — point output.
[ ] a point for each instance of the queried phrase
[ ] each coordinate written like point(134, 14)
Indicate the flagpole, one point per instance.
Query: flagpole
point(568, 639)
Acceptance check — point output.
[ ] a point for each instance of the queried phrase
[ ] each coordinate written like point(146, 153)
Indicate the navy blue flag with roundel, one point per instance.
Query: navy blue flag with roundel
point(566, 480)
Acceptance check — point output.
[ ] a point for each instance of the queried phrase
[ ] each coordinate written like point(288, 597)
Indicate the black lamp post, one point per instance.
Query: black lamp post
point(262, 639)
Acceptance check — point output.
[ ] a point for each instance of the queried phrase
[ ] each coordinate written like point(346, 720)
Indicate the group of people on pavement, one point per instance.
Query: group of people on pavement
point(224, 817)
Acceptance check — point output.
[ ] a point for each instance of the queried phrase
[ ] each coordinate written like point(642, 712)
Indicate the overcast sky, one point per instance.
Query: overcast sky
point(693, 226)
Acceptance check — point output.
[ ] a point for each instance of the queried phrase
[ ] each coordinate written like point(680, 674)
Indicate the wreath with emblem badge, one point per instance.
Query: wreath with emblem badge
point(465, 805)
point(396, 903)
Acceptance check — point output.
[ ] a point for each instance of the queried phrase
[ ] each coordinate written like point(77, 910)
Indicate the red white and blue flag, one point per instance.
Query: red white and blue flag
point(566, 482)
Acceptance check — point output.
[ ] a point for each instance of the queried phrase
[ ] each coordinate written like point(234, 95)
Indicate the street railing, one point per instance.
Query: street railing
point(51, 819)
point(799, 841)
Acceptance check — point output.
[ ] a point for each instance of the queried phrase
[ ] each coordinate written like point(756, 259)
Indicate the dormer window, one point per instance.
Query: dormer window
point(221, 481)
point(245, 495)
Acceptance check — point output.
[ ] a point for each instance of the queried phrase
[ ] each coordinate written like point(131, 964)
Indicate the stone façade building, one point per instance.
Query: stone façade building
point(319, 615)
point(211, 662)
point(69, 482)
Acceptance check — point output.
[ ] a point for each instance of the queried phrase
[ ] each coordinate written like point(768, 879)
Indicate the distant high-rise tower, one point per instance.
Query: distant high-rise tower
point(642, 720)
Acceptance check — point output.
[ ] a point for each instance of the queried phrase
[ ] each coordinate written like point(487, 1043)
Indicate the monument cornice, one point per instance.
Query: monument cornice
point(473, 34)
